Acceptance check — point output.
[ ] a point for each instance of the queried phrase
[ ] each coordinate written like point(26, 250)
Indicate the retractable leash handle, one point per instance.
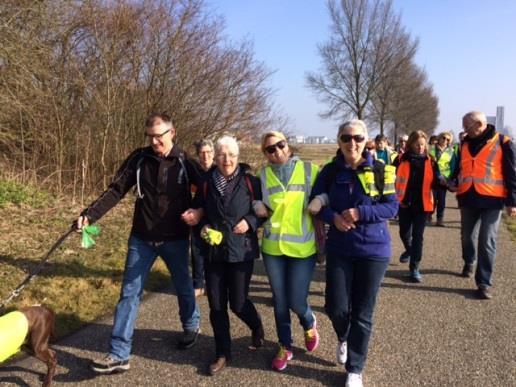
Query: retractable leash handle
point(16, 292)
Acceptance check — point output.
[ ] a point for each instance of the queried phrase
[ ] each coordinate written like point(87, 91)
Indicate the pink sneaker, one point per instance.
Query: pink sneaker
point(312, 337)
point(279, 363)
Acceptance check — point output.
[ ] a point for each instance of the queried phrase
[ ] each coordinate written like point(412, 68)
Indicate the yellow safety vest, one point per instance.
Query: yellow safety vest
point(366, 178)
point(444, 160)
point(13, 330)
point(289, 231)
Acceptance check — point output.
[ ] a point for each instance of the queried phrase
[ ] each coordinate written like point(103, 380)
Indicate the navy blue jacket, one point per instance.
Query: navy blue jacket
point(223, 214)
point(370, 239)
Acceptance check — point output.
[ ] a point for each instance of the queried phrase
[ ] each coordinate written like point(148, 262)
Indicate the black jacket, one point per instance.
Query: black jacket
point(165, 188)
point(472, 198)
point(223, 214)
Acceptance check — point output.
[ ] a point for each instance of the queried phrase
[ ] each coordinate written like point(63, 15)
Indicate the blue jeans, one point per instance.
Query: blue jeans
point(141, 256)
point(351, 288)
point(290, 282)
point(480, 225)
point(412, 227)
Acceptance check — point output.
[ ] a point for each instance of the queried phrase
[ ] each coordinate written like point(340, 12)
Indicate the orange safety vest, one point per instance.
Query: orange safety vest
point(484, 171)
point(402, 177)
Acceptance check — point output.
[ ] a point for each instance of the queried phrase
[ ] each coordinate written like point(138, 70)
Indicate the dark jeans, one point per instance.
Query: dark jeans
point(199, 251)
point(439, 202)
point(412, 226)
point(480, 226)
point(351, 288)
point(290, 282)
point(225, 282)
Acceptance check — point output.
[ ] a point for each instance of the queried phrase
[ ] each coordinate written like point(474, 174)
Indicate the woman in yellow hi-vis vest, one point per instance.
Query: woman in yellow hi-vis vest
point(288, 244)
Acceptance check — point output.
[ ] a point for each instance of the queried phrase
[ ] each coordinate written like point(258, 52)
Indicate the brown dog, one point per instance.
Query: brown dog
point(40, 322)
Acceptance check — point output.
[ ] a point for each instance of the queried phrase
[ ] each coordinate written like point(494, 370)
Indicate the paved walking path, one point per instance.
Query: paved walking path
point(434, 333)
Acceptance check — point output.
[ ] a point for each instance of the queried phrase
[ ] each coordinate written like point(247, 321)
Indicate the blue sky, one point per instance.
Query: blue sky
point(466, 47)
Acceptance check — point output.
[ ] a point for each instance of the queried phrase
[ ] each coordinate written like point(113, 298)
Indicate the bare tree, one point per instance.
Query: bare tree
point(357, 56)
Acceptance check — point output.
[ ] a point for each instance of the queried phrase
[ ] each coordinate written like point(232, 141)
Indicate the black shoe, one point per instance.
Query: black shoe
point(109, 365)
point(467, 271)
point(439, 223)
point(404, 257)
point(257, 338)
point(188, 340)
point(484, 293)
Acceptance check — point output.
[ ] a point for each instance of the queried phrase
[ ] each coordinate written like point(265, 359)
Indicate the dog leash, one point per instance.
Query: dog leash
point(16, 292)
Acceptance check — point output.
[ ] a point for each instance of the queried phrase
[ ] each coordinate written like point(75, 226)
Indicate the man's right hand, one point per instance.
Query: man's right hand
point(82, 221)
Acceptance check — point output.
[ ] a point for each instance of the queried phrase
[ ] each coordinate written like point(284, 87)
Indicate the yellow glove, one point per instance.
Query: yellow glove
point(212, 237)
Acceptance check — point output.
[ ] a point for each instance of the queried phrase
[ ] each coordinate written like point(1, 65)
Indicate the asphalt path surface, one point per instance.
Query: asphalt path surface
point(433, 333)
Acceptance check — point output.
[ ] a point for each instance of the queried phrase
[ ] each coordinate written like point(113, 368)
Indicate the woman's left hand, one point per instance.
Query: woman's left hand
point(351, 215)
point(241, 227)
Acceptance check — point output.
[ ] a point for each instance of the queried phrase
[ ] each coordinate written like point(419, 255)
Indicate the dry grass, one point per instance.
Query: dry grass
point(511, 226)
point(80, 285)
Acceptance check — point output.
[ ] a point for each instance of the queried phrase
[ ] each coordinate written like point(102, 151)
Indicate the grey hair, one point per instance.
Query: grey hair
point(476, 116)
point(202, 143)
point(355, 123)
point(228, 141)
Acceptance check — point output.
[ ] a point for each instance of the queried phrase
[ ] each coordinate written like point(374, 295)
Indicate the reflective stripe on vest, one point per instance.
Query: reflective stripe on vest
point(13, 330)
point(289, 231)
point(367, 180)
point(402, 177)
point(484, 171)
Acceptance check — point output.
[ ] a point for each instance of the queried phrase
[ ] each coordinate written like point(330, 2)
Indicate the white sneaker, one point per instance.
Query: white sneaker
point(354, 380)
point(342, 352)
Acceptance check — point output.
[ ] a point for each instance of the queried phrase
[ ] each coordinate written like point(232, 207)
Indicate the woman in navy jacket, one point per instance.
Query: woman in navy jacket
point(226, 199)
point(358, 245)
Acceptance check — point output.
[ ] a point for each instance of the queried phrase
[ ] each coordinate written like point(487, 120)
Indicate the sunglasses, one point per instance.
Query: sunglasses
point(348, 137)
point(272, 148)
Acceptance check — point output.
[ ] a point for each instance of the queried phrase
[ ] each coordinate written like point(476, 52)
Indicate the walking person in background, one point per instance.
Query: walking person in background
point(288, 244)
point(486, 182)
point(161, 173)
point(226, 199)
point(198, 248)
point(402, 145)
point(444, 155)
point(415, 176)
point(383, 151)
point(361, 198)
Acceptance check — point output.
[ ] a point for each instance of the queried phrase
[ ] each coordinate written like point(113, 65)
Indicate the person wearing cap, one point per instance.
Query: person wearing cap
point(228, 226)
point(288, 245)
point(444, 155)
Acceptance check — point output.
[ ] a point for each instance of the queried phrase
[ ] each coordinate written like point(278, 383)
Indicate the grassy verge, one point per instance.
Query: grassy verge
point(511, 226)
point(80, 285)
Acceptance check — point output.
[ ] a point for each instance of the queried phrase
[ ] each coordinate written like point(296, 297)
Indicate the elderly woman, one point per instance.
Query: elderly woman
point(205, 152)
point(444, 155)
point(360, 200)
point(288, 245)
point(226, 199)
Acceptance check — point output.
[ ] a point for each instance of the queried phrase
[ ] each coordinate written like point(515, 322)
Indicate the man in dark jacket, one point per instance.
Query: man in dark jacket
point(161, 175)
point(486, 182)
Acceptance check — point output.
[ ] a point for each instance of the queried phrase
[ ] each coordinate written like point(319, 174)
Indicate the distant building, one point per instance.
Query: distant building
point(296, 139)
point(317, 140)
point(500, 112)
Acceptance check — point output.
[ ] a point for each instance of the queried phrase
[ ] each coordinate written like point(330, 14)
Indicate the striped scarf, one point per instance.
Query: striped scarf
point(221, 182)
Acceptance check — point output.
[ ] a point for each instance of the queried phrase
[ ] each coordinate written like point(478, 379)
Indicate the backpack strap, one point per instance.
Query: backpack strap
point(249, 186)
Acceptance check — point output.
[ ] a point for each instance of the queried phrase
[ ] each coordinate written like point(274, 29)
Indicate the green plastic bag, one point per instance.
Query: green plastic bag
point(87, 233)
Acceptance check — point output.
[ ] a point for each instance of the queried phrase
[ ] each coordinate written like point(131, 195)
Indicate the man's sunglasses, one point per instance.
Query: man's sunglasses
point(272, 148)
point(348, 137)
point(156, 136)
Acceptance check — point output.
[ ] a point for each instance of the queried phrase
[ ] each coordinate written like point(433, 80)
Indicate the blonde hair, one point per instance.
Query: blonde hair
point(272, 133)
point(414, 136)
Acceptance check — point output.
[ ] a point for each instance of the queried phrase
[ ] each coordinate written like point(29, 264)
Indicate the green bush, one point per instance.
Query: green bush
point(12, 192)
